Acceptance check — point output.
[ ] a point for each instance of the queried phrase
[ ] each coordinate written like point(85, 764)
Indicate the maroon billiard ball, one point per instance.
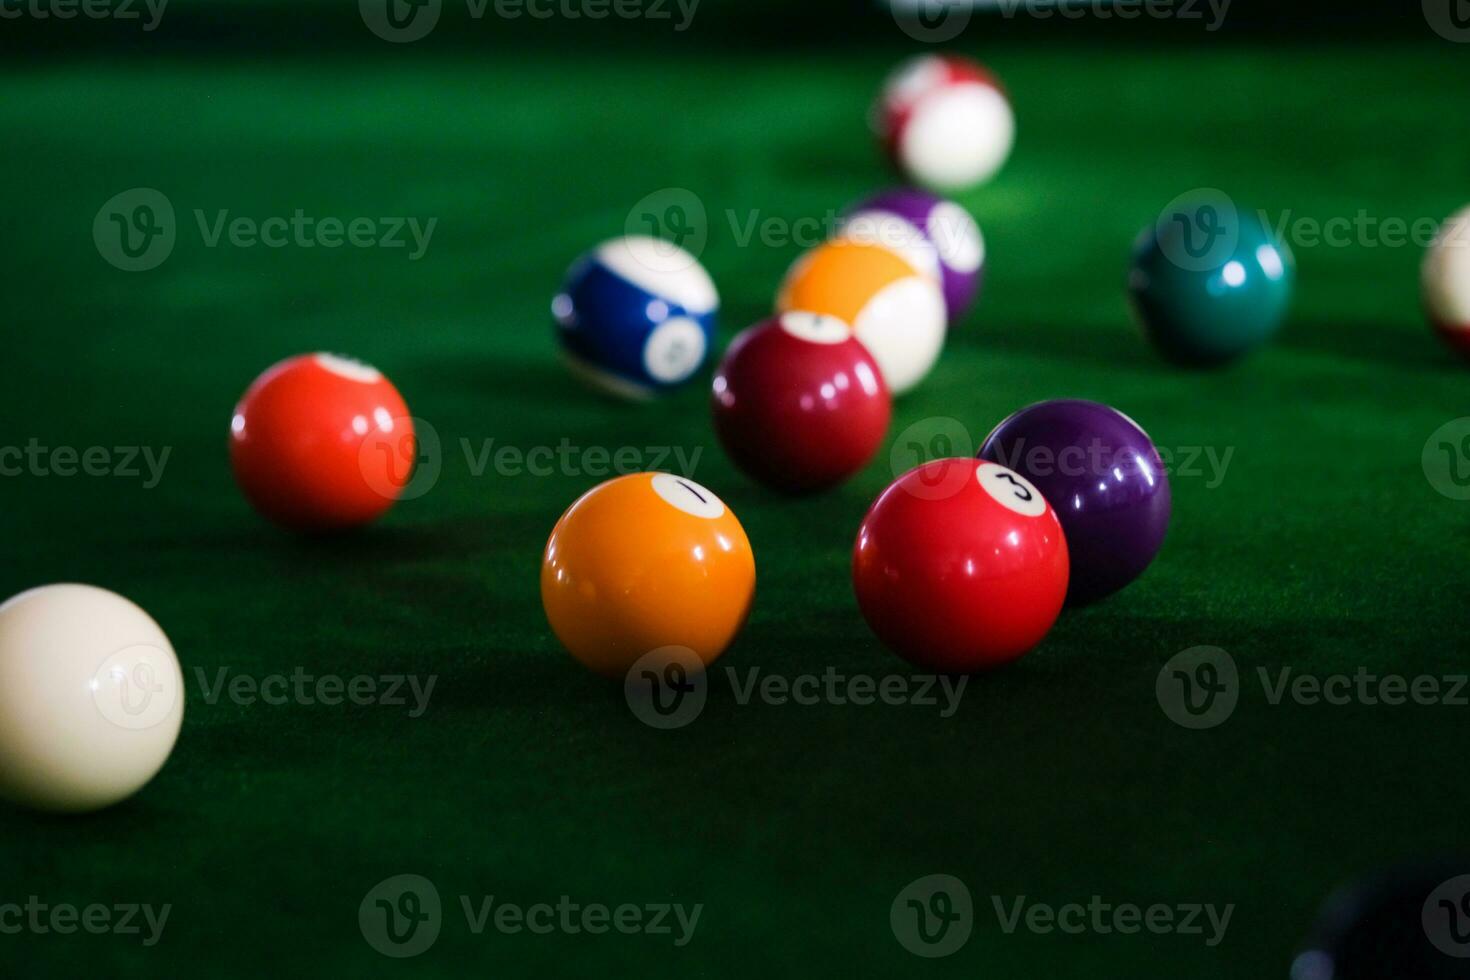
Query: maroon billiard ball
point(799, 404)
point(960, 565)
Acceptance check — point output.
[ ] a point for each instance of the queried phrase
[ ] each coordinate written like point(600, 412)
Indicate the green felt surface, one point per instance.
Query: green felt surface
point(1323, 548)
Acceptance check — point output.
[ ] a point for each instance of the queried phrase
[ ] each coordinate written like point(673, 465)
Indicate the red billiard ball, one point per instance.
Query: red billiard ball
point(799, 403)
point(960, 565)
point(322, 443)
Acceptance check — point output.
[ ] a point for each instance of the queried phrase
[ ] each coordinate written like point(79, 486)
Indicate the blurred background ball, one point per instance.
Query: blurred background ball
point(1209, 282)
point(938, 236)
point(636, 316)
point(1411, 922)
point(945, 122)
point(896, 309)
point(1445, 282)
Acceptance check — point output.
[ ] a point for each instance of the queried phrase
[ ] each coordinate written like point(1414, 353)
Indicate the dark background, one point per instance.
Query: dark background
point(326, 26)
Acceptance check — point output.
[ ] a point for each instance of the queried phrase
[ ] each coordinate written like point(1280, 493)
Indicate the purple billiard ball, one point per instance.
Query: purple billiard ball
point(1102, 475)
point(936, 236)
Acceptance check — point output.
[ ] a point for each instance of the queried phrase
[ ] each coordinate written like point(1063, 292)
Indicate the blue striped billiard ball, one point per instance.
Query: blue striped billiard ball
point(636, 316)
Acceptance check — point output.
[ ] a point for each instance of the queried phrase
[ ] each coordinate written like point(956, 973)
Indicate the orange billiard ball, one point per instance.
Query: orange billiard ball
point(643, 562)
point(321, 443)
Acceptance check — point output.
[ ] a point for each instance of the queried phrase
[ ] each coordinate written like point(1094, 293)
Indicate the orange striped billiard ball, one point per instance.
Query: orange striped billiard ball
point(896, 310)
point(643, 562)
point(322, 443)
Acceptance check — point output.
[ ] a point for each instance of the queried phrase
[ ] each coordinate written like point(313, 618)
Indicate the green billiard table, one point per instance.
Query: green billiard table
point(392, 702)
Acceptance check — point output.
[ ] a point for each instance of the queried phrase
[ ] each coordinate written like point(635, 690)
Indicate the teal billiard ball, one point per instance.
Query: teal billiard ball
point(1209, 281)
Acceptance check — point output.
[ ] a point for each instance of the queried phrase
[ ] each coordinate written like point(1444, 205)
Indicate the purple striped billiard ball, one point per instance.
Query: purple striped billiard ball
point(937, 237)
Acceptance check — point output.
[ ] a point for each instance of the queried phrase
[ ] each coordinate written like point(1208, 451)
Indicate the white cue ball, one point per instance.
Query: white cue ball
point(91, 698)
point(1446, 281)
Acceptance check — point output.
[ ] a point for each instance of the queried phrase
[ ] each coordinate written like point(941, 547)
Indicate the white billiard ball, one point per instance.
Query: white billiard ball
point(945, 122)
point(1445, 282)
point(91, 698)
